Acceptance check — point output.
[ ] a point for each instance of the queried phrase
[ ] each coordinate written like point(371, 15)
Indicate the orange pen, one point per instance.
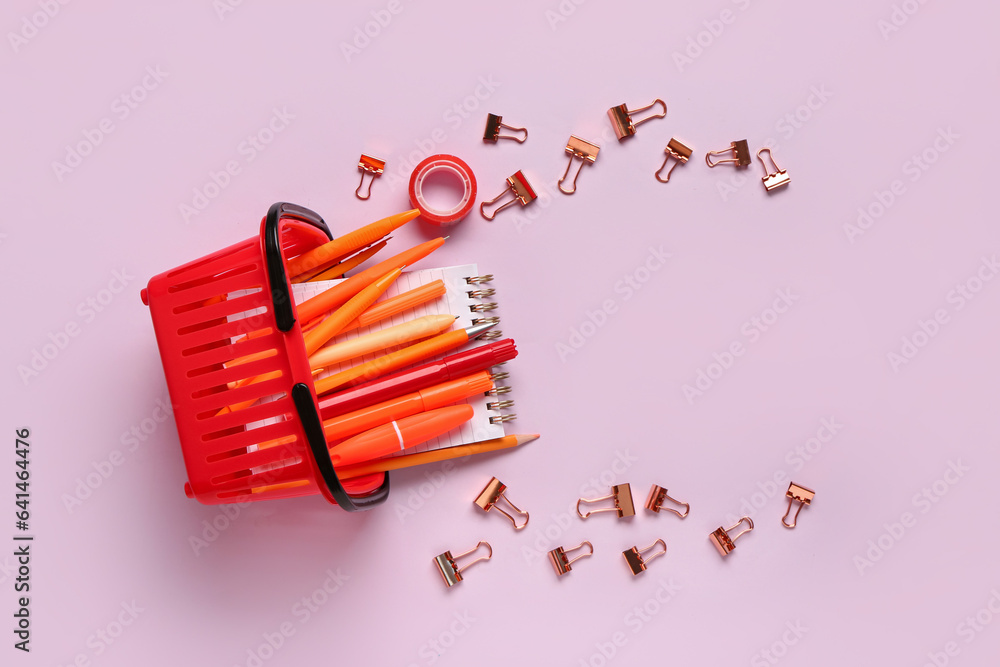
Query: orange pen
point(425, 349)
point(399, 435)
point(340, 293)
point(431, 398)
point(398, 304)
point(350, 242)
point(341, 265)
point(316, 337)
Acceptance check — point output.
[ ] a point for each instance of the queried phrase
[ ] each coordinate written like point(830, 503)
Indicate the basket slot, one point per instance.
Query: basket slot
point(215, 292)
point(240, 372)
point(225, 331)
point(232, 307)
point(261, 435)
point(211, 279)
point(207, 355)
point(271, 491)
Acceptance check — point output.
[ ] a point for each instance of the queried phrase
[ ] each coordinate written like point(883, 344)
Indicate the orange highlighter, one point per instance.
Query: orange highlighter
point(431, 398)
point(399, 435)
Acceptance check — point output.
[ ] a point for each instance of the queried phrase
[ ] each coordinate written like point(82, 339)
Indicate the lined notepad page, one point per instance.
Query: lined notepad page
point(456, 301)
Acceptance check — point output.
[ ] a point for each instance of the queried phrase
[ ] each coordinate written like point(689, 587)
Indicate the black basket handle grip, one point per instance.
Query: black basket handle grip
point(284, 316)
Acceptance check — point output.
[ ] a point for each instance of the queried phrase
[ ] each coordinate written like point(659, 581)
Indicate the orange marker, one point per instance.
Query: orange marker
point(398, 304)
point(399, 435)
point(340, 293)
point(425, 349)
point(431, 398)
point(316, 337)
point(359, 238)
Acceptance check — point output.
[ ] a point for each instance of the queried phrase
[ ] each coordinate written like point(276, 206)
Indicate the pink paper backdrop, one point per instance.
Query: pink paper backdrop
point(885, 243)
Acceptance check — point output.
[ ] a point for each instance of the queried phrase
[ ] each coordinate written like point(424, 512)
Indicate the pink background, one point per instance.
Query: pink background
point(614, 410)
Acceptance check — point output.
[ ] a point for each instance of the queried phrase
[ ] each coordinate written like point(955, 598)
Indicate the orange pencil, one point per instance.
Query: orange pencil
point(399, 435)
point(359, 238)
point(394, 360)
point(315, 338)
point(340, 293)
point(431, 398)
point(398, 304)
point(341, 265)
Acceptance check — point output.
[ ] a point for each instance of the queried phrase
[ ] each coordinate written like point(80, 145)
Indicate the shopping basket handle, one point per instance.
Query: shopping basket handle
point(280, 294)
point(301, 395)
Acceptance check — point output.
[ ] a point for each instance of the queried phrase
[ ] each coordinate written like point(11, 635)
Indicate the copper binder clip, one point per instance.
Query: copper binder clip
point(679, 152)
point(369, 165)
point(493, 125)
point(584, 151)
point(635, 561)
point(449, 569)
point(493, 493)
point(654, 503)
point(622, 495)
point(621, 118)
point(561, 563)
point(802, 496)
point(517, 184)
point(720, 538)
point(739, 150)
point(778, 178)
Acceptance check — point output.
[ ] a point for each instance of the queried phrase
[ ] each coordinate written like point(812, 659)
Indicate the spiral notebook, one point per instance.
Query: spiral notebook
point(470, 297)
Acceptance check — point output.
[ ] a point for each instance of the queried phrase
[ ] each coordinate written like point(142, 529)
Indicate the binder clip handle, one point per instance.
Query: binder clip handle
point(763, 164)
point(739, 150)
point(632, 112)
point(654, 502)
point(372, 166)
point(746, 530)
point(620, 493)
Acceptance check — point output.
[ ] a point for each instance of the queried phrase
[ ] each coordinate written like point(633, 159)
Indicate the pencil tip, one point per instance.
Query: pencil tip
point(527, 437)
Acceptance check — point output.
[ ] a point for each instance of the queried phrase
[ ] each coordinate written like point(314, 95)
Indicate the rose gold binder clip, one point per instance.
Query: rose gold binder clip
point(493, 125)
point(622, 495)
point(491, 495)
point(635, 561)
point(449, 569)
point(679, 152)
point(797, 494)
point(654, 503)
point(371, 166)
point(775, 180)
point(519, 186)
point(584, 151)
point(725, 544)
point(560, 561)
point(624, 125)
point(739, 150)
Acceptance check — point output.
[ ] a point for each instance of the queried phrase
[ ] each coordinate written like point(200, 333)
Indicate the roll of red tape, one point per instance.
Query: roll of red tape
point(452, 166)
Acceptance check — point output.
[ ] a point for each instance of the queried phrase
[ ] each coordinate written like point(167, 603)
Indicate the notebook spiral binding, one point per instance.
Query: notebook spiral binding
point(485, 293)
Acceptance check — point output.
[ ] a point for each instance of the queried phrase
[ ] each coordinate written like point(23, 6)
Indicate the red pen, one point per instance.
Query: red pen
point(419, 377)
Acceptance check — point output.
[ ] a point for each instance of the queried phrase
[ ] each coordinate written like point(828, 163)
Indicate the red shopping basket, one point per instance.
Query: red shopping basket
point(223, 320)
